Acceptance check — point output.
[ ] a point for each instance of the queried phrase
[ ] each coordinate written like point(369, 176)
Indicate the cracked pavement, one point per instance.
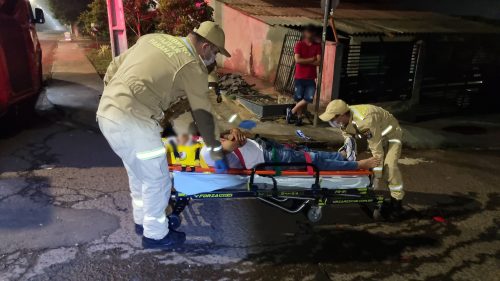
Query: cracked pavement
point(65, 214)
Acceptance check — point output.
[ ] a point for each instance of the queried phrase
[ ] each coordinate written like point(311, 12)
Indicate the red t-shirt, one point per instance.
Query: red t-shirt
point(305, 51)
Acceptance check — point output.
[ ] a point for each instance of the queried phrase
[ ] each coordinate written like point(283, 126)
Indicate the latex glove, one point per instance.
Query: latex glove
point(247, 124)
point(220, 166)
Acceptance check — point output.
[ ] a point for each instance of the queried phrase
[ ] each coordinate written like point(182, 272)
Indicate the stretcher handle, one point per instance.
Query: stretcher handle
point(261, 166)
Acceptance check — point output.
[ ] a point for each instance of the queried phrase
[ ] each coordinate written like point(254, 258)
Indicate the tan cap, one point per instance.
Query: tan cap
point(335, 107)
point(213, 33)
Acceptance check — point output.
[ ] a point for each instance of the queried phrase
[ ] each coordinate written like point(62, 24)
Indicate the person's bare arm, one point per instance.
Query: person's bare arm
point(300, 60)
point(194, 82)
point(317, 60)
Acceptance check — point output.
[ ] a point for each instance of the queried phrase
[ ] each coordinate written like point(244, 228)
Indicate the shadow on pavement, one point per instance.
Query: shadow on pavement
point(338, 245)
point(24, 203)
point(29, 218)
point(335, 246)
point(273, 236)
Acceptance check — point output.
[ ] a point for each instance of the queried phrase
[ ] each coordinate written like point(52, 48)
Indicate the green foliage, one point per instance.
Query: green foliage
point(104, 51)
point(100, 59)
point(140, 17)
point(179, 17)
point(96, 14)
point(68, 11)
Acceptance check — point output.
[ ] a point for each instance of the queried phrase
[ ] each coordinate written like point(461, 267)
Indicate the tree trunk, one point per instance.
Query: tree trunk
point(74, 30)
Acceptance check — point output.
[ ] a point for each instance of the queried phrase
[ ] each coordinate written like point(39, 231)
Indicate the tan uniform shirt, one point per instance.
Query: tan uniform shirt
point(144, 81)
point(371, 122)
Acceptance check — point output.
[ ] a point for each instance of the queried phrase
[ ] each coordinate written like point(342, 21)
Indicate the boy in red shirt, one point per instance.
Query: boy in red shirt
point(307, 57)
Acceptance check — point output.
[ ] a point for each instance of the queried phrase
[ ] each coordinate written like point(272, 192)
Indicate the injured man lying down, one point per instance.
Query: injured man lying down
point(244, 153)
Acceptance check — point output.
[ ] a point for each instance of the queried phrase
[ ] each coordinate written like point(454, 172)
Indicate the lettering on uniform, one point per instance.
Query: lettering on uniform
point(169, 46)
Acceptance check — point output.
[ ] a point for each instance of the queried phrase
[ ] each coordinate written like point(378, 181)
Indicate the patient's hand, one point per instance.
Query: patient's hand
point(238, 136)
point(369, 163)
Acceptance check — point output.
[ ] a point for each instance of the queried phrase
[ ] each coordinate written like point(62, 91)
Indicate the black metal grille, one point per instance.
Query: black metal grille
point(459, 77)
point(284, 82)
point(378, 71)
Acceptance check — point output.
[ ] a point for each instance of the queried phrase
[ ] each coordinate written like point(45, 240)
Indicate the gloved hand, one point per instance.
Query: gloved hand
point(247, 124)
point(220, 166)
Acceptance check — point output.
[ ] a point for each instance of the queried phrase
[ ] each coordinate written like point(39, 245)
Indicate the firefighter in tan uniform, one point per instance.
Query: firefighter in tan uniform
point(139, 85)
point(383, 134)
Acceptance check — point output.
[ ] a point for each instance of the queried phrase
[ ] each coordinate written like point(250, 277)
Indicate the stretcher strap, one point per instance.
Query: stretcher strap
point(274, 158)
point(240, 157)
point(197, 156)
point(174, 150)
point(310, 170)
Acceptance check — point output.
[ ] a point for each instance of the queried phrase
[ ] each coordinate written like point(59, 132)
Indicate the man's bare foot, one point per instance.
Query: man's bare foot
point(369, 163)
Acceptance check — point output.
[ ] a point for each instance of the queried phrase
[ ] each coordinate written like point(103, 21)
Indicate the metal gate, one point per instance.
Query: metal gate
point(284, 82)
point(378, 71)
point(460, 77)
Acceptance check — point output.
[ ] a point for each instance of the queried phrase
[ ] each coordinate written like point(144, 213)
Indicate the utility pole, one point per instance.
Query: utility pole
point(117, 27)
point(328, 6)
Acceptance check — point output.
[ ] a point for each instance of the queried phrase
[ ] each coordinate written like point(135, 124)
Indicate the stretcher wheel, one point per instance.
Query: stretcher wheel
point(174, 221)
point(314, 214)
point(377, 215)
point(372, 211)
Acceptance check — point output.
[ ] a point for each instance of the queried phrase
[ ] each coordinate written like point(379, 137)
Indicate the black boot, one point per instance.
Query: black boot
point(397, 211)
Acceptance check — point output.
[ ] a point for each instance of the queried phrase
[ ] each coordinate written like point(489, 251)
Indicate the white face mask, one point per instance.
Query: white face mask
point(211, 59)
point(335, 124)
point(208, 62)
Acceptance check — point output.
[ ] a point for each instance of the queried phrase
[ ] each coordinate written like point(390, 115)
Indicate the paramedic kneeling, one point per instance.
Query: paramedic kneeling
point(383, 134)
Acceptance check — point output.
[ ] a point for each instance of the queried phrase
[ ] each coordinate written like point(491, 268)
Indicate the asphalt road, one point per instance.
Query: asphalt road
point(65, 214)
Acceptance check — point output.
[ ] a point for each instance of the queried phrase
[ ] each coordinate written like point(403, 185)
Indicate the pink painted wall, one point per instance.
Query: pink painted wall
point(254, 47)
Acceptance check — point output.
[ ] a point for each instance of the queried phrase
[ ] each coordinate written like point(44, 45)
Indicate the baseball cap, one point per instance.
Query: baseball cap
point(335, 107)
point(213, 33)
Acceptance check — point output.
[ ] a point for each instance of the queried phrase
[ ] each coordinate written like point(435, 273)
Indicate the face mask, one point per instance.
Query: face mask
point(208, 62)
point(211, 59)
point(335, 124)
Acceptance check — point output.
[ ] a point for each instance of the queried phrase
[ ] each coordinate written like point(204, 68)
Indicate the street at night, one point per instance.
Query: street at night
point(66, 208)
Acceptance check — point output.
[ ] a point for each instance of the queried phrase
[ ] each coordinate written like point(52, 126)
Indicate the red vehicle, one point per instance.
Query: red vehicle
point(20, 55)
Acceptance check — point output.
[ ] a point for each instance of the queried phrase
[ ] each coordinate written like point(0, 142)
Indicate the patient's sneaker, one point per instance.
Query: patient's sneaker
point(349, 149)
point(170, 241)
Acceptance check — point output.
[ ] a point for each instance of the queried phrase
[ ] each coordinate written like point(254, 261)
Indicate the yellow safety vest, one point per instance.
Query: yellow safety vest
point(185, 155)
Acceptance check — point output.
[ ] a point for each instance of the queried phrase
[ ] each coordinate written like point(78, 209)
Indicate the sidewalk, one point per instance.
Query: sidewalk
point(478, 132)
point(77, 86)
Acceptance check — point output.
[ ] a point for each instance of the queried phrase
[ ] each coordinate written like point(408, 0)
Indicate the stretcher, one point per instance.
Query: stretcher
point(291, 190)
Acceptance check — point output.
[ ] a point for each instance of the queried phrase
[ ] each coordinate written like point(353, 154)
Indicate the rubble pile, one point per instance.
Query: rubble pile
point(234, 84)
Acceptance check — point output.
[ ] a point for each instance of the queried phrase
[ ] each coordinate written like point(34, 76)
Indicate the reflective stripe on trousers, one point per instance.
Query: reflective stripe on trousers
point(391, 169)
point(144, 157)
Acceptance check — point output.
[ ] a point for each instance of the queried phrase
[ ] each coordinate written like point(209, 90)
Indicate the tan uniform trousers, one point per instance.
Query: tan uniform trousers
point(144, 157)
point(391, 173)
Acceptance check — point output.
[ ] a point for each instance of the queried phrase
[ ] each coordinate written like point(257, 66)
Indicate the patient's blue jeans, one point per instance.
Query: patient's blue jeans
point(324, 160)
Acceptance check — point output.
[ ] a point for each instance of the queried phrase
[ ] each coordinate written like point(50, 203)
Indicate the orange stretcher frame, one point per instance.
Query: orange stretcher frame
point(180, 168)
